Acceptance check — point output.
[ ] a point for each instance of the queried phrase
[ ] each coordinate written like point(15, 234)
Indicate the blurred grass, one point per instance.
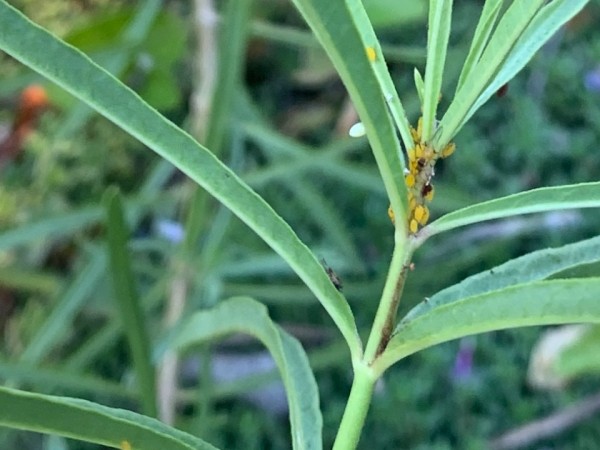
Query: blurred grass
point(545, 131)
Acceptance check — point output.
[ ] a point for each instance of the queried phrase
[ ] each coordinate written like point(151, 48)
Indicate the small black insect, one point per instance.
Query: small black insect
point(427, 188)
point(333, 277)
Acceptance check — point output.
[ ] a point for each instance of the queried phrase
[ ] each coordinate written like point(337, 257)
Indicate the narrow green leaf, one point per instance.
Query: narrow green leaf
point(344, 30)
point(544, 25)
point(324, 215)
point(534, 266)
point(72, 70)
point(484, 28)
point(131, 37)
point(537, 303)
point(584, 195)
point(419, 84)
point(29, 281)
point(55, 227)
point(243, 314)
point(46, 380)
point(440, 19)
point(128, 301)
point(56, 326)
point(91, 422)
point(326, 160)
point(512, 24)
point(110, 332)
point(282, 152)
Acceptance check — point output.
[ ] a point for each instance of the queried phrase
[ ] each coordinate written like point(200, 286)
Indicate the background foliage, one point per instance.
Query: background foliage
point(288, 140)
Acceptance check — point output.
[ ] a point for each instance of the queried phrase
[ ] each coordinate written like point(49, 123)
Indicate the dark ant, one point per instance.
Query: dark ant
point(427, 188)
point(333, 277)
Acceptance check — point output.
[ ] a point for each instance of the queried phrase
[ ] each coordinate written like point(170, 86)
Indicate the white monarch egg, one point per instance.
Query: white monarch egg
point(357, 130)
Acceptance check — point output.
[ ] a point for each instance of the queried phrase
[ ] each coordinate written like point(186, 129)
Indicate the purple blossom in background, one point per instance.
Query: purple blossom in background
point(592, 80)
point(462, 370)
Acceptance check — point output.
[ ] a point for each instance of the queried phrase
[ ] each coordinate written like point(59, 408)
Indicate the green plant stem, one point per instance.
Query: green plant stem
point(364, 376)
point(356, 409)
point(383, 324)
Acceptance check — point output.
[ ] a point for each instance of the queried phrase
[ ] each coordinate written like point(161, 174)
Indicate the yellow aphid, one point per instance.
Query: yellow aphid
point(425, 216)
point(415, 135)
point(410, 180)
point(371, 54)
point(419, 213)
point(428, 153)
point(448, 150)
point(391, 214)
point(411, 154)
point(413, 226)
point(418, 151)
point(125, 445)
point(412, 204)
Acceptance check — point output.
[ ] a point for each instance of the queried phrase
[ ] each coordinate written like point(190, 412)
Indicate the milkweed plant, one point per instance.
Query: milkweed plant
point(515, 294)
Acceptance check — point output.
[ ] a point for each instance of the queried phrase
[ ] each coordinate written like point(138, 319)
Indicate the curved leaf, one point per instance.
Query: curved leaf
point(75, 72)
point(242, 314)
point(485, 25)
point(57, 324)
point(537, 303)
point(583, 195)
point(344, 30)
point(534, 266)
point(91, 422)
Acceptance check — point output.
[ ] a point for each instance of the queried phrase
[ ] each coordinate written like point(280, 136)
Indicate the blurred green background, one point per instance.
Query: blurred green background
point(287, 137)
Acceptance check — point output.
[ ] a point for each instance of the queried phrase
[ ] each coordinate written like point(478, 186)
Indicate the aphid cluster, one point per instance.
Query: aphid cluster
point(420, 170)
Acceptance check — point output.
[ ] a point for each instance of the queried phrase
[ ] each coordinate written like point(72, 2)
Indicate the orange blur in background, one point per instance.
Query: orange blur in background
point(32, 102)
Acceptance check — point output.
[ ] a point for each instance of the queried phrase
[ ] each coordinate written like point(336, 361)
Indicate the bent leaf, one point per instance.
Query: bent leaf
point(534, 266)
point(90, 422)
point(344, 30)
point(242, 314)
point(573, 196)
point(537, 303)
point(75, 72)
